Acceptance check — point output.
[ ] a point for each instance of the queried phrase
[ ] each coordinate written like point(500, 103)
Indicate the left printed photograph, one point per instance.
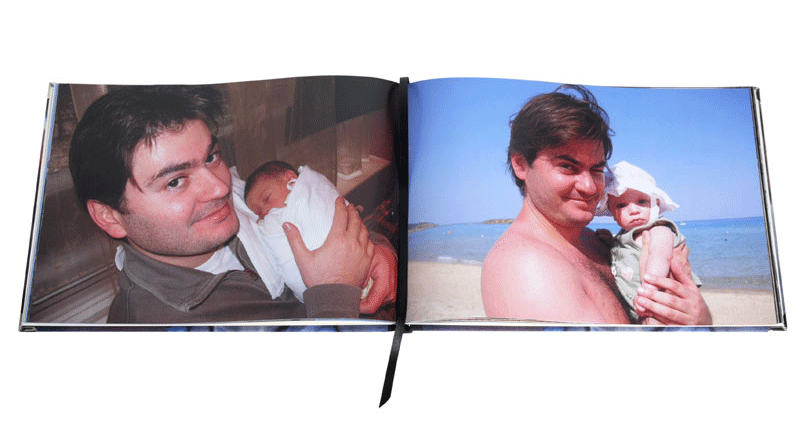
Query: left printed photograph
point(216, 205)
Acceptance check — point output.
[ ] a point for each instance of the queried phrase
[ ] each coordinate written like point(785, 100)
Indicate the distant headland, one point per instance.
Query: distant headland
point(413, 227)
point(497, 221)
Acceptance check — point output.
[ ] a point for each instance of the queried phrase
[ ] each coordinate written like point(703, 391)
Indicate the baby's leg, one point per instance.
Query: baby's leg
point(655, 259)
point(659, 254)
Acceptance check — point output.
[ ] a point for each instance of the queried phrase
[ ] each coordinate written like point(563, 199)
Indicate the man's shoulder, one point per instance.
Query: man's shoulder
point(524, 249)
point(528, 278)
point(522, 261)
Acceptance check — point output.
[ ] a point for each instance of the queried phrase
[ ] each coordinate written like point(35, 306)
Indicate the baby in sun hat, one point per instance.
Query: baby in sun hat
point(636, 203)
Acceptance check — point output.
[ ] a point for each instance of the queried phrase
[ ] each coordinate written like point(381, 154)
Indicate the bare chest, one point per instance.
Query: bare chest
point(600, 288)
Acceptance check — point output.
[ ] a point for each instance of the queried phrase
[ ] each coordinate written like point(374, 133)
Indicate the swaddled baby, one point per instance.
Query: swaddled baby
point(278, 193)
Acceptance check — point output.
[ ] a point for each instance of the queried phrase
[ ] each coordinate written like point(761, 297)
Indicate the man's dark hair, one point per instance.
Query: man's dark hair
point(101, 152)
point(270, 169)
point(552, 119)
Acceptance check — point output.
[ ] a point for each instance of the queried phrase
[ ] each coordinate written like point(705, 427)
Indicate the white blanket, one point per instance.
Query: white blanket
point(253, 240)
point(310, 206)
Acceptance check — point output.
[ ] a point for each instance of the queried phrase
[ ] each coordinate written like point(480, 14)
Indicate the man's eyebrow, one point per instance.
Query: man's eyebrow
point(570, 159)
point(212, 146)
point(169, 170)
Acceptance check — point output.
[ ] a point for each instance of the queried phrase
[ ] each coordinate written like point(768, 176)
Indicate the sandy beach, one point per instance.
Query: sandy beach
point(440, 291)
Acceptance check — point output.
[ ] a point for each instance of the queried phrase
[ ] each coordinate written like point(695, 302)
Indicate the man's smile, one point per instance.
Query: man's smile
point(217, 212)
point(586, 203)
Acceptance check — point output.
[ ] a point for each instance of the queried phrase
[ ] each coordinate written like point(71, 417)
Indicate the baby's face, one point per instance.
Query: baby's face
point(630, 209)
point(268, 193)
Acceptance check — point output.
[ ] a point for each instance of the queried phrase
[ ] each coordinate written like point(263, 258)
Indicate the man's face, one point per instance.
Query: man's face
point(270, 192)
point(180, 208)
point(630, 209)
point(565, 183)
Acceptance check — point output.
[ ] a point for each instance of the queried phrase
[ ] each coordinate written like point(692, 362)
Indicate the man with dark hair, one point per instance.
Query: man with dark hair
point(148, 169)
point(551, 119)
point(548, 265)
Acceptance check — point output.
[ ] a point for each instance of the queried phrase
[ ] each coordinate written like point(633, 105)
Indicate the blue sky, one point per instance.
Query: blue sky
point(699, 144)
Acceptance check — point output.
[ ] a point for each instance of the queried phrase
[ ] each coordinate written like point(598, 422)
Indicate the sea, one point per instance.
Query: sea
point(724, 253)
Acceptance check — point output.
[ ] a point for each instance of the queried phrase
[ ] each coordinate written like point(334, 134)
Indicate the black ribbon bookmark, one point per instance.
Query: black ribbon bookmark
point(400, 105)
point(388, 381)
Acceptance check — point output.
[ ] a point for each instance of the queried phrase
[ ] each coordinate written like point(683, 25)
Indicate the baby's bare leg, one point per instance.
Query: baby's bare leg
point(655, 258)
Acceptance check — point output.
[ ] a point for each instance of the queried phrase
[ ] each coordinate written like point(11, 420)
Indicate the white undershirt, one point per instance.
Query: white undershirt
point(223, 260)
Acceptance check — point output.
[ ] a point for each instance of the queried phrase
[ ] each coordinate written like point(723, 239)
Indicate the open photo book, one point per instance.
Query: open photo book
point(468, 204)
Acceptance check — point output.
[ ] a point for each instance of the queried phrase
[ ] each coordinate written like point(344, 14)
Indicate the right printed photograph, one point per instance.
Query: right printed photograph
point(546, 203)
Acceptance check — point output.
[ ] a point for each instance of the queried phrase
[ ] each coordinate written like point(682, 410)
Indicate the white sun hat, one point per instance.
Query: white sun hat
point(624, 176)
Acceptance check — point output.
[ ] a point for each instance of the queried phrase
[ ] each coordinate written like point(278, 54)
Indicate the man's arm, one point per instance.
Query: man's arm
point(383, 272)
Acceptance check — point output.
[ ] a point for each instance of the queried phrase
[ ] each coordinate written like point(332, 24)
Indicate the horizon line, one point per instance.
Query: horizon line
point(610, 220)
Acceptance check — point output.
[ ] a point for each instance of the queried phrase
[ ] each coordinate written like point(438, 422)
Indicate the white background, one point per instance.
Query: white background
point(443, 379)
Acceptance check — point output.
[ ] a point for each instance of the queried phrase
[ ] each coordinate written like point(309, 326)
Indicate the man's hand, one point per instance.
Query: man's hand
point(384, 276)
point(672, 302)
point(344, 258)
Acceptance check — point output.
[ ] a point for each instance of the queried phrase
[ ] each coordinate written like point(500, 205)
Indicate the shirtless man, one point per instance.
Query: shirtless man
point(548, 265)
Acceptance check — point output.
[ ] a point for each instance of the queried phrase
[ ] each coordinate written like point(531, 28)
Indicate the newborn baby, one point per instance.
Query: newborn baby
point(278, 193)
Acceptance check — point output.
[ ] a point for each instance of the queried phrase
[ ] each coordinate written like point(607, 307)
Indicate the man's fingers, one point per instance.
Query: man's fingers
point(339, 216)
point(677, 286)
point(678, 271)
point(296, 242)
point(363, 235)
point(663, 283)
point(663, 313)
point(641, 311)
point(681, 254)
point(354, 220)
point(665, 298)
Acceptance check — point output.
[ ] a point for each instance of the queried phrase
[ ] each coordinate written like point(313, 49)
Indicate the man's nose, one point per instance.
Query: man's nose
point(214, 184)
point(586, 183)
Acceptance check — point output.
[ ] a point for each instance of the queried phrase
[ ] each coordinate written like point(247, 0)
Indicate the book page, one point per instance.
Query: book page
point(334, 132)
point(469, 203)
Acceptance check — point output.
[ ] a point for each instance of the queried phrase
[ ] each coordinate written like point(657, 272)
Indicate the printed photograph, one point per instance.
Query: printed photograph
point(217, 203)
point(534, 201)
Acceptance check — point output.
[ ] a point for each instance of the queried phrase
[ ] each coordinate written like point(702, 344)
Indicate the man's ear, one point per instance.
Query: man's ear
point(520, 165)
point(289, 175)
point(107, 218)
